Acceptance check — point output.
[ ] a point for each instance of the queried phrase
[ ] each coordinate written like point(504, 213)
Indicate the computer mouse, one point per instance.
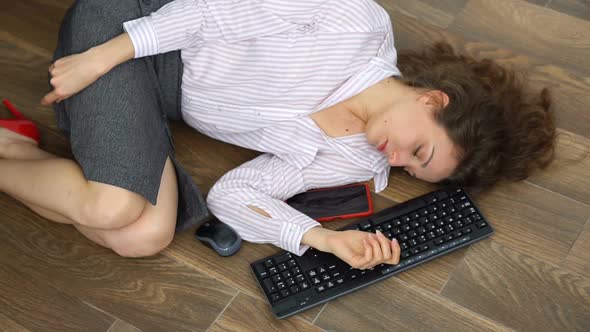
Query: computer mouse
point(220, 237)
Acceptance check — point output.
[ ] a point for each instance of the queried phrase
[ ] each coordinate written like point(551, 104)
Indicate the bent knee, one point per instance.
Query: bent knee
point(110, 207)
point(146, 242)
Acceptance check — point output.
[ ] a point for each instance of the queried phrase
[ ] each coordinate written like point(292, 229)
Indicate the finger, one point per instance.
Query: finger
point(49, 98)
point(367, 256)
point(395, 251)
point(385, 245)
point(376, 254)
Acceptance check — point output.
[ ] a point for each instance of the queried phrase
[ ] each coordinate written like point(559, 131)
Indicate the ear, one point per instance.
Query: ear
point(436, 98)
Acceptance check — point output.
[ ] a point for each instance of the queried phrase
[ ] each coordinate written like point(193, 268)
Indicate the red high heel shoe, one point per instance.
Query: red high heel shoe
point(20, 125)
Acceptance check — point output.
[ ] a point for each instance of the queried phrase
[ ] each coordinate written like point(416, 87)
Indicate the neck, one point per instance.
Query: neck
point(377, 98)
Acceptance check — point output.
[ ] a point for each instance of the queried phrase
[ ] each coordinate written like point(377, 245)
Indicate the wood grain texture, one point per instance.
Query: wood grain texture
point(393, 305)
point(520, 291)
point(38, 306)
point(547, 32)
point(153, 294)
point(246, 313)
point(532, 220)
point(578, 259)
point(121, 326)
point(569, 174)
point(9, 325)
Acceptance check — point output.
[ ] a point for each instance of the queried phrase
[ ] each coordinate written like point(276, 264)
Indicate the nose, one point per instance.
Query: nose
point(398, 159)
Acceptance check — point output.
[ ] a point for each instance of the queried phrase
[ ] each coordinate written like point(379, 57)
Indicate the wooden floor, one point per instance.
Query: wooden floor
point(532, 275)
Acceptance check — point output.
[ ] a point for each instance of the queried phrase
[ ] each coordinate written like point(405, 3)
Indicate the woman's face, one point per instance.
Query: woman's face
point(409, 135)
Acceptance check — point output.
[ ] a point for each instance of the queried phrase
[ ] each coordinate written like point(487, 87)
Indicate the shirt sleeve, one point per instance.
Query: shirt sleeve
point(184, 23)
point(265, 183)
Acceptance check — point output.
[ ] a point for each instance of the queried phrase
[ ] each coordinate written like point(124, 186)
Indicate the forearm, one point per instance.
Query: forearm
point(317, 238)
point(113, 53)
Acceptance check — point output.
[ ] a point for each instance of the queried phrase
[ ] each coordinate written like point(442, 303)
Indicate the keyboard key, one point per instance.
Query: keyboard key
point(312, 273)
point(277, 278)
point(330, 284)
point(260, 271)
point(269, 286)
point(285, 292)
point(481, 224)
point(326, 277)
point(315, 281)
point(295, 270)
point(439, 241)
point(320, 288)
point(269, 263)
point(365, 225)
point(282, 267)
point(294, 289)
point(282, 258)
point(292, 263)
point(290, 282)
point(299, 278)
point(275, 297)
point(304, 285)
point(273, 270)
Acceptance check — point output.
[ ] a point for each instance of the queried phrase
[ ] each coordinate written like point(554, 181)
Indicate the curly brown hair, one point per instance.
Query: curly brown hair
point(502, 131)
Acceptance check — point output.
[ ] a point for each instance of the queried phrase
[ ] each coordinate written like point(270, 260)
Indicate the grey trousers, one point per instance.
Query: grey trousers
point(118, 126)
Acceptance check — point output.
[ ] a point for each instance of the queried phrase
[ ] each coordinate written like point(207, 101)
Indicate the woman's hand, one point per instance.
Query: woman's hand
point(364, 250)
point(72, 74)
point(361, 250)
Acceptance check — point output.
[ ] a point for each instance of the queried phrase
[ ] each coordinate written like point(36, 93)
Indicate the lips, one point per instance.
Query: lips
point(382, 146)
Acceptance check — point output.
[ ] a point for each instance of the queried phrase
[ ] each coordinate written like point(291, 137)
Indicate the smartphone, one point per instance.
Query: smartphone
point(326, 204)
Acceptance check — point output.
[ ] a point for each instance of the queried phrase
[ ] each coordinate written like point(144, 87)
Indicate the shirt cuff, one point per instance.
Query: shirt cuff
point(292, 232)
point(142, 34)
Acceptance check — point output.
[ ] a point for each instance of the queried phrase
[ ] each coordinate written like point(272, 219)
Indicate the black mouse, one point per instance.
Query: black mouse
point(220, 237)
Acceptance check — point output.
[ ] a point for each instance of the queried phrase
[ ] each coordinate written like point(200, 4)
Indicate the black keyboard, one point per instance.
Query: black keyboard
point(426, 227)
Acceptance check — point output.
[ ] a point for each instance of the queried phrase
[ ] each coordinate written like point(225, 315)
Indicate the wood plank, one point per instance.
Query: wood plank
point(9, 325)
point(393, 305)
point(121, 326)
point(520, 291)
point(568, 174)
point(578, 260)
point(149, 293)
point(246, 313)
point(38, 27)
point(577, 8)
point(38, 306)
point(528, 29)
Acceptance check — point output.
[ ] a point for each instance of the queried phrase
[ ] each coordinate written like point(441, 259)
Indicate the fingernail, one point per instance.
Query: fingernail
point(394, 240)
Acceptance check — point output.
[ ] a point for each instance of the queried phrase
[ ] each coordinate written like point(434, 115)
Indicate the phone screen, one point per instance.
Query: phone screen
point(326, 204)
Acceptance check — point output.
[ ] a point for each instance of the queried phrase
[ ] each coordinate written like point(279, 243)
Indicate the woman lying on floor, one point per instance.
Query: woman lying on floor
point(313, 84)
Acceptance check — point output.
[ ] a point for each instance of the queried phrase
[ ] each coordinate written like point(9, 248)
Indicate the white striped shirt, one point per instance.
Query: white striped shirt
point(253, 72)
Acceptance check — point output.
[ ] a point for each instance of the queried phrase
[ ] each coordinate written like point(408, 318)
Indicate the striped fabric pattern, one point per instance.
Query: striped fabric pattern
point(254, 70)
